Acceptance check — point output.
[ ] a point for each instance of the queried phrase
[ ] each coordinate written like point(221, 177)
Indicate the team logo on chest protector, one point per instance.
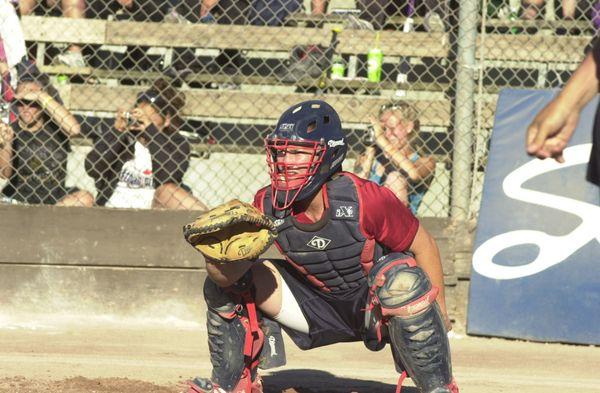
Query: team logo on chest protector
point(319, 243)
point(344, 212)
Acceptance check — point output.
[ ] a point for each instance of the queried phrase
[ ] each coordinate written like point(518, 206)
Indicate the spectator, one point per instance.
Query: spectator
point(377, 12)
point(394, 160)
point(73, 56)
point(264, 12)
point(140, 162)
point(532, 9)
point(138, 10)
point(34, 149)
point(12, 43)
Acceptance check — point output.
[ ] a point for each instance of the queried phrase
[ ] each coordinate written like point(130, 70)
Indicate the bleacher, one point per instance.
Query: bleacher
point(257, 98)
point(241, 106)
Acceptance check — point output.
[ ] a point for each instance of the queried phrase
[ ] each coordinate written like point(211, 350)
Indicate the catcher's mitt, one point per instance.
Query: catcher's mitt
point(231, 232)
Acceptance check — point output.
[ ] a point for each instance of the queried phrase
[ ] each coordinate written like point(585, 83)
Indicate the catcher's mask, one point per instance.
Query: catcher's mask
point(305, 150)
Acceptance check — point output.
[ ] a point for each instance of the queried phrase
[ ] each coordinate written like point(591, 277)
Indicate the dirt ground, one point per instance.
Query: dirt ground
point(106, 355)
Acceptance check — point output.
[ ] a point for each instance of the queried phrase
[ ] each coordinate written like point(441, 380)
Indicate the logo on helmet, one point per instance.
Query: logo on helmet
point(318, 243)
point(333, 143)
point(286, 126)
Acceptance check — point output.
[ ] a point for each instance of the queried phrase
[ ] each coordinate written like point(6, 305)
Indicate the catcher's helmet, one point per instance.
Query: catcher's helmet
point(312, 128)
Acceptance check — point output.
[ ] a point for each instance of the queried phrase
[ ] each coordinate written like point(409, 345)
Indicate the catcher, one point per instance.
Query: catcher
point(358, 266)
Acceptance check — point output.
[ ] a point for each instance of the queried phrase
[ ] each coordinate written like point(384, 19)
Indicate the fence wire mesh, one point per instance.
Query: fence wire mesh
point(166, 103)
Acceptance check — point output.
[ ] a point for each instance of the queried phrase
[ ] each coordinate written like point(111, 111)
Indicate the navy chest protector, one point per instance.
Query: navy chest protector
point(333, 254)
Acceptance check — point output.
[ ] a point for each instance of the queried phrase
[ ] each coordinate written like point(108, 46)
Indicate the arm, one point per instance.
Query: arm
point(318, 6)
point(550, 131)
point(416, 171)
point(107, 148)
point(226, 274)
point(57, 112)
point(428, 258)
point(364, 162)
point(61, 115)
point(425, 167)
point(6, 151)
point(402, 231)
point(419, 170)
point(206, 6)
point(170, 155)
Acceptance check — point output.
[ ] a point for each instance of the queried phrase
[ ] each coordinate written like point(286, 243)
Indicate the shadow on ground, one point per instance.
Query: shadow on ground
point(315, 381)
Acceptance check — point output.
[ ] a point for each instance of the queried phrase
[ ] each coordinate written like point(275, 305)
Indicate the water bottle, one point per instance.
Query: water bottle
point(62, 79)
point(338, 68)
point(374, 62)
point(513, 16)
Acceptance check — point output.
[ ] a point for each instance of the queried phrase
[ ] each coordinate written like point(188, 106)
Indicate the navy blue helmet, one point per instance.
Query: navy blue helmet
point(305, 150)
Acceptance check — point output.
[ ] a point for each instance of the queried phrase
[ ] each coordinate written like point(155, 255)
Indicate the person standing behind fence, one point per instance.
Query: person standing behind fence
point(552, 128)
point(140, 162)
point(394, 159)
point(34, 149)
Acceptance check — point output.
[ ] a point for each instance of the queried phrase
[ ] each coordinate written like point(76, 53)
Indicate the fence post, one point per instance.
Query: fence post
point(462, 156)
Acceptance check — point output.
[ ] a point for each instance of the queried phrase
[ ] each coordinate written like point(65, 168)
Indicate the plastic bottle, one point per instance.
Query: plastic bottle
point(338, 68)
point(513, 16)
point(62, 79)
point(374, 62)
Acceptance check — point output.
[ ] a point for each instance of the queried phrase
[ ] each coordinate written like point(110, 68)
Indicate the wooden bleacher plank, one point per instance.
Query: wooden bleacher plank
point(395, 43)
point(537, 48)
point(206, 78)
point(515, 47)
point(540, 24)
point(246, 105)
point(213, 36)
point(92, 31)
point(63, 30)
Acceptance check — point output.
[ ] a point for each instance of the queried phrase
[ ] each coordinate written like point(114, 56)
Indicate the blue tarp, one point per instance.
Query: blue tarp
point(536, 261)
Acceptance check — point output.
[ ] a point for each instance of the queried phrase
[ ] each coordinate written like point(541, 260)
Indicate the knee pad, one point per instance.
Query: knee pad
point(403, 296)
point(400, 287)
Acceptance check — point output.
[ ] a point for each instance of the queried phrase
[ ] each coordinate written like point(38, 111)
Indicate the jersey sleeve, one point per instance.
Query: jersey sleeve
point(385, 218)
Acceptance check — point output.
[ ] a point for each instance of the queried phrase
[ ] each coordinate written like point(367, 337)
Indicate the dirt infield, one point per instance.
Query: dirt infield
point(100, 355)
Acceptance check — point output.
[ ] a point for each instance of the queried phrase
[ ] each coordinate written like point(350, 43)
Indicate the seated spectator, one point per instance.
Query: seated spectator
point(262, 12)
point(140, 162)
point(34, 149)
point(394, 159)
point(138, 10)
point(73, 56)
point(532, 9)
point(377, 12)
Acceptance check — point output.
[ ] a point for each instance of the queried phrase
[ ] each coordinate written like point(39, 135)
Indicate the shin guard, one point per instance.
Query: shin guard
point(406, 301)
point(234, 338)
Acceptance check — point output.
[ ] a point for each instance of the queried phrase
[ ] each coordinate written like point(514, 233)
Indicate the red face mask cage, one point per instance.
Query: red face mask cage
point(290, 175)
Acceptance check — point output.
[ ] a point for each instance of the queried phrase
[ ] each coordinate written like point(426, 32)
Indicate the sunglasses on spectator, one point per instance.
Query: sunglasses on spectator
point(392, 106)
point(28, 103)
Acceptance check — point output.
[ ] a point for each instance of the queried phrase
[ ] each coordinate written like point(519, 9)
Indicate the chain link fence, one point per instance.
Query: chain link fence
point(166, 103)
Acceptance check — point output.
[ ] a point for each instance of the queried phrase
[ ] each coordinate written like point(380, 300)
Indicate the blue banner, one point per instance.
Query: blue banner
point(536, 259)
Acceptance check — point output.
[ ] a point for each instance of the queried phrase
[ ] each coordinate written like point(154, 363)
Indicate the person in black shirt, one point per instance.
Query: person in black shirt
point(34, 149)
point(550, 131)
point(141, 160)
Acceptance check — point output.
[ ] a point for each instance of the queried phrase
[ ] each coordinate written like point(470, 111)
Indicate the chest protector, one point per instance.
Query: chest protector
point(333, 254)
